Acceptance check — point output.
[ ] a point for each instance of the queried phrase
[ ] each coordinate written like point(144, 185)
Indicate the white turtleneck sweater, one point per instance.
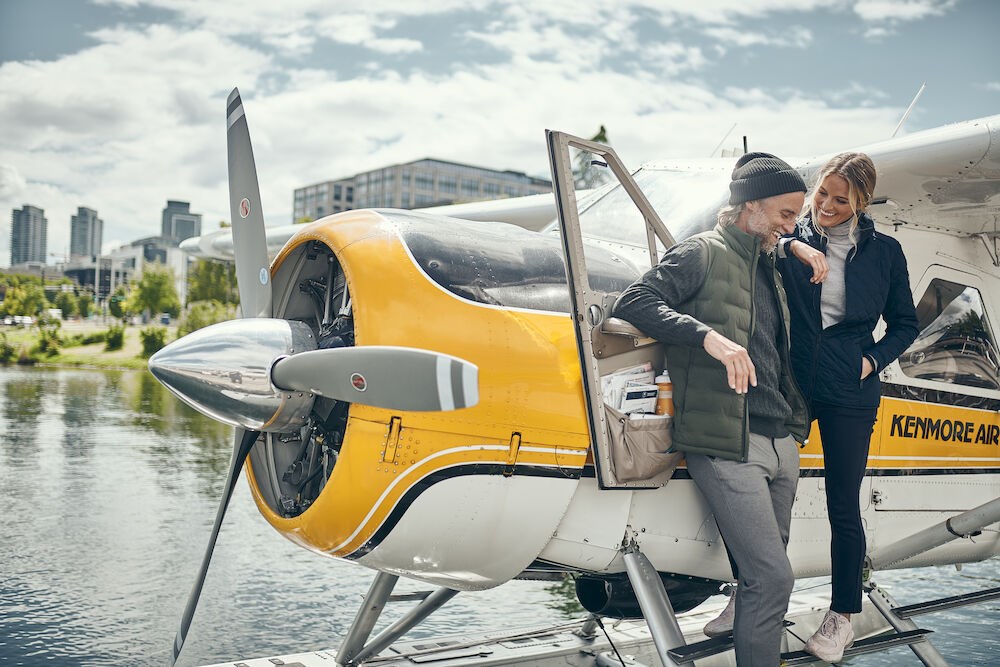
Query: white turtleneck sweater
point(832, 293)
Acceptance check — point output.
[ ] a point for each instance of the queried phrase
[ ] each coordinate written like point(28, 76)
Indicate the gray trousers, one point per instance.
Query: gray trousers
point(752, 503)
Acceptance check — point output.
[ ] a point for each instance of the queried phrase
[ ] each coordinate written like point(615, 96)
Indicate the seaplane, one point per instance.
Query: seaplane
point(423, 395)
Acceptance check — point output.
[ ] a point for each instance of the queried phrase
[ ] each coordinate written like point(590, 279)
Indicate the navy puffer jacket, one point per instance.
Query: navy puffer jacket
point(827, 362)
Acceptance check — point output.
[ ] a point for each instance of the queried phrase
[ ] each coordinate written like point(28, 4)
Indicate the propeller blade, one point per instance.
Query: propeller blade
point(243, 443)
point(249, 241)
point(398, 378)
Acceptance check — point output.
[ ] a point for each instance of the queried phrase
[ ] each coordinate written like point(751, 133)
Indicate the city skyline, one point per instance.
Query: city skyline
point(118, 105)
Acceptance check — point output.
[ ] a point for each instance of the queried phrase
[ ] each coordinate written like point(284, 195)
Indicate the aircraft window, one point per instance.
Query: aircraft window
point(956, 344)
point(686, 202)
point(502, 265)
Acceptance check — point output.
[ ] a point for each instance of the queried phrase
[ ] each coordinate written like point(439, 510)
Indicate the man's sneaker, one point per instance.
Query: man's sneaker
point(722, 625)
point(833, 636)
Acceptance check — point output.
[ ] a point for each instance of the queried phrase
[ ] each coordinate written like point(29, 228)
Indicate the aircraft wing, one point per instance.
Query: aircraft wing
point(946, 179)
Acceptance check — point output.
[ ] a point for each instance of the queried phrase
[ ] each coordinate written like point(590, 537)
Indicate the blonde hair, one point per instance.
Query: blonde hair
point(859, 172)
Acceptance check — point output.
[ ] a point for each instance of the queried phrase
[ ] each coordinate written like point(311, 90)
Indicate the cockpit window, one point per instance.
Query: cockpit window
point(956, 344)
point(686, 201)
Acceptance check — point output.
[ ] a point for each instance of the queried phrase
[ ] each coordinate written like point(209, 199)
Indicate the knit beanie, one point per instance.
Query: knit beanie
point(762, 175)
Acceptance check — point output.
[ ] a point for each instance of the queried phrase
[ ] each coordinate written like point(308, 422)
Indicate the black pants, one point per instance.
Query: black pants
point(846, 434)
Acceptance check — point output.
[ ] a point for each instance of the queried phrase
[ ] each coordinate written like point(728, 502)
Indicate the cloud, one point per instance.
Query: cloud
point(901, 10)
point(672, 58)
point(993, 86)
point(795, 37)
point(12, 183)
point(138, 118)
point(889, 14)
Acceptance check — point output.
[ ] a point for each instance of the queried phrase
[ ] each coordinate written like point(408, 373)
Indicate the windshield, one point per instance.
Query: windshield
point(686, 201)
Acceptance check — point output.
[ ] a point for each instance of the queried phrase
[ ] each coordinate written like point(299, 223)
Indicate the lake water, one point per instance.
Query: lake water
point(108, 489)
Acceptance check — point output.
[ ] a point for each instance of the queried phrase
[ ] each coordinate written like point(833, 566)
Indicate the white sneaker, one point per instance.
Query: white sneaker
point(833, 636)
point(722, 625)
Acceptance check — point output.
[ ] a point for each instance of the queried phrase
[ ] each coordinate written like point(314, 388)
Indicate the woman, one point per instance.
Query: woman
point(848, 276)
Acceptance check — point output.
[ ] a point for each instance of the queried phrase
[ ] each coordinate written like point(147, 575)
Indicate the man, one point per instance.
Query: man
point(716, 303)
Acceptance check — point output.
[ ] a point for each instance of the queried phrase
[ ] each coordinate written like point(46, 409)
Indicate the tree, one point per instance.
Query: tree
point(116, 303)
point(213, 281)
point(203, 313)
point(67, 303)
point(154, 292)
point(27, 298)
point(84, 304)
point(585, 173)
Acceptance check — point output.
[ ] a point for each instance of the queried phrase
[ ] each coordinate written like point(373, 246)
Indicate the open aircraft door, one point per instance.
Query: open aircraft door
point(604, 343)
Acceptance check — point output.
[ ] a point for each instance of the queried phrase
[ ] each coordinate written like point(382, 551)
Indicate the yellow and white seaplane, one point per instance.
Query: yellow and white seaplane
point(421, 394)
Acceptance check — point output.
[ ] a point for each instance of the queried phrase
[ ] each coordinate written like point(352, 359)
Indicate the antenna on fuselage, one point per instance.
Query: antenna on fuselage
point(909, 109)
point(722, 141)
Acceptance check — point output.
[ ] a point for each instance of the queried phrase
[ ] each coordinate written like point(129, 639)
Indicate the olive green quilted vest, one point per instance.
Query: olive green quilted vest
point(709, 417)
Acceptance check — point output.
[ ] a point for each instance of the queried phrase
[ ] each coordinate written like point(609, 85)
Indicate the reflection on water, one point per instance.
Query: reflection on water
point(108, 488)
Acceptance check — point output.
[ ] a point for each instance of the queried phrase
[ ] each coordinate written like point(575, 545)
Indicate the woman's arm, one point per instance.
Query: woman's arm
point(809, 256)
point(899, 314)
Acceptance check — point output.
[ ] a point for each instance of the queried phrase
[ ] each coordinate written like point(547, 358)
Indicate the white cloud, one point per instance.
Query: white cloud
point(672, 58)
point(795, 36)
point(885, 16)
point(901, 10)
point(138, 119)
point(12, 183)
point(992, 86)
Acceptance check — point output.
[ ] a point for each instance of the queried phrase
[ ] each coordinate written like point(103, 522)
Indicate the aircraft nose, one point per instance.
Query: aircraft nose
point(223, 371)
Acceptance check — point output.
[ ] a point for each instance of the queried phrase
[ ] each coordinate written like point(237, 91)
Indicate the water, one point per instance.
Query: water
point(108, 489)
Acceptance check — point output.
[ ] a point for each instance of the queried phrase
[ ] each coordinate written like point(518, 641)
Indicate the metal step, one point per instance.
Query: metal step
point(707, 647)
point(702, 649)
point(947, 603)
point(869, 645)
point(716, 645)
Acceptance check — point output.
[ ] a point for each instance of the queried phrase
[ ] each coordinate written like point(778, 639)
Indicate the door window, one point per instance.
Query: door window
point(955, 344)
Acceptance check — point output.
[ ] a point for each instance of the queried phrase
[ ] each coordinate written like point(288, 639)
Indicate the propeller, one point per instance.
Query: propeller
point(253, 278)
point(400, 378)
point(244, 441)
point(249, 239)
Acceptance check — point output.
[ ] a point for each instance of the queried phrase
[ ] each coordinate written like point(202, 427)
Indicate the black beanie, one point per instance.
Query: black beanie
point(762, 175)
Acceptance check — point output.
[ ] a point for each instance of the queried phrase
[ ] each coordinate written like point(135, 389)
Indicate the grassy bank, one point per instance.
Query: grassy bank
point(93, 355)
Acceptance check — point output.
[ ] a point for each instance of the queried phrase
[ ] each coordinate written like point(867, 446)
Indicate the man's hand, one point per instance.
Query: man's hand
point(809, 256)
point(739, 368)
point(866, 367)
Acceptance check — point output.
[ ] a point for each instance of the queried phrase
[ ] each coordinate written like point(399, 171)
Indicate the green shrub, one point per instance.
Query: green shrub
point(203, 313)
point(153, 338)
point(8, 352)
point(114, 339)
point(48, 342)
point(97, 337)
point(25, 356)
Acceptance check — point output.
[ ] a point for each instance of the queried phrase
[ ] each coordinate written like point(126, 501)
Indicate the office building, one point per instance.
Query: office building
point(417, 184)
point(85, 233)
point(179, 222)
point(28, 231)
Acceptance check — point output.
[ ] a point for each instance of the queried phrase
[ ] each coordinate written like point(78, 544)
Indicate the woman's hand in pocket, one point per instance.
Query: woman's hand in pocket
point(866, 367)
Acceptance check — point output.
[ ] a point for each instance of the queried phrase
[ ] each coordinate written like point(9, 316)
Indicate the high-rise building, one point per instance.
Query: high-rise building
point(85, 233)
point(179, 222)
point(28, 231)
point(426, 182)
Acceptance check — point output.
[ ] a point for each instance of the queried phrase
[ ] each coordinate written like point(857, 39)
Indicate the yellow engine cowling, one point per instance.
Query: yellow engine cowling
point(465, 498)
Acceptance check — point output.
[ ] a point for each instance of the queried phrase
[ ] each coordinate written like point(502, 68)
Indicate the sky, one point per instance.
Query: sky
point(119, 105)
